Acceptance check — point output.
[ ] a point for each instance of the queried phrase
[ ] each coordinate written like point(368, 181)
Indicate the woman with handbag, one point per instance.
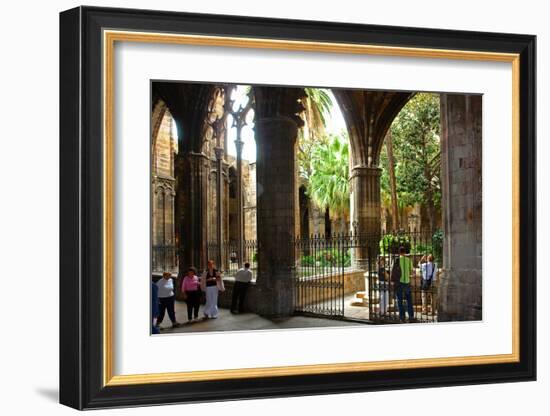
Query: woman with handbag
point(211, 284)
point(192, 290)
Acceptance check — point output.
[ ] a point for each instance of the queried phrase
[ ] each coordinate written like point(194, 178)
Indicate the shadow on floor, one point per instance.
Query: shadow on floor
point(227, 321)
point(51, 394)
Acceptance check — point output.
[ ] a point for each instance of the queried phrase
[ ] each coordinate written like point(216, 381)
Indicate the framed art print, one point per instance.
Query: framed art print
point(258, 207)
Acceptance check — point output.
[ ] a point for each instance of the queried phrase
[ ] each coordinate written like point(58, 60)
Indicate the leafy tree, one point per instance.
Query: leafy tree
point(392, 181)
point(416, 151)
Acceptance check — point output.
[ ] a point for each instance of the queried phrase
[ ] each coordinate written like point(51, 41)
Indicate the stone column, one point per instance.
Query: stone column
point(219, 208)
point(240, 209)
point(460, 288)
point(276, 138)
point(157, 224)
point(191, 195)
point(225, 212)
point(365, 185)
point(169, 238)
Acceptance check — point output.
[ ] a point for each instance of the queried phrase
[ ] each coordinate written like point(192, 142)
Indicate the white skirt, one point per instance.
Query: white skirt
point(211, 307)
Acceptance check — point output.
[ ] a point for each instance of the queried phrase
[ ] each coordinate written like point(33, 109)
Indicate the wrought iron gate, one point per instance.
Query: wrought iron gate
point(324, 288)
point(418, 298)
point(319, 288)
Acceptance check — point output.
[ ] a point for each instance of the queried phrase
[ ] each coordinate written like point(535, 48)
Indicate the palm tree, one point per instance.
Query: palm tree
point(318, 105)
point(329, 179)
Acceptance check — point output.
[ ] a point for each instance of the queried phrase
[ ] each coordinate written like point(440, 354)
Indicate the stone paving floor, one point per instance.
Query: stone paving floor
point(362, 313)
point(227, 321)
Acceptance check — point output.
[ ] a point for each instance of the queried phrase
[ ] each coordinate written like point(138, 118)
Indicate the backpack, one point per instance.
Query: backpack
point(427, 283)
point(396, 271)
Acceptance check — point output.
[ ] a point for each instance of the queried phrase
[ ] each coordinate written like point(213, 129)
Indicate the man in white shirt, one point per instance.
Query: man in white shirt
point(242, 281)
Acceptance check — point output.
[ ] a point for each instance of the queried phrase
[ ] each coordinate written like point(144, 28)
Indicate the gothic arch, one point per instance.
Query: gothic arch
point(158, 111)
point(368, 116)
point(189, 106)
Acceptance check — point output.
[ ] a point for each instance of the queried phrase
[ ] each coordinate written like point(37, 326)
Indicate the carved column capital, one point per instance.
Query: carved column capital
point(278, 101)
point(362, 171)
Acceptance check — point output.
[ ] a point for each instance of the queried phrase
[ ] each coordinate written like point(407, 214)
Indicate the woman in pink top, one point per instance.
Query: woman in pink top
point(192, 290)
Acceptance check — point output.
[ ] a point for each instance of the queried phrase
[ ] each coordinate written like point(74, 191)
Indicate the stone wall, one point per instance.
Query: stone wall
point(165, 147)
point(249, 197)
point(353, 282)
point(251, 300)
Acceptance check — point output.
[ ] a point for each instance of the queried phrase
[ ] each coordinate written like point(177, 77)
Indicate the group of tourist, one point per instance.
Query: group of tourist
point(206, 289)
point(196, 291)
point(398, 277)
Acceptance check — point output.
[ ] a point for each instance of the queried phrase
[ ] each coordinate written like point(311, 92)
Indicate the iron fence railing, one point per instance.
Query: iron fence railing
point(320, 266)
point(325, 264)
point(228, 255)
point(419, 296)
point(328, 269)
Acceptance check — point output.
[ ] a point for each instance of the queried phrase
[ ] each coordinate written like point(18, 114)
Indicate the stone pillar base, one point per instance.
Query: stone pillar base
point(277, 301)
point(459, 295)
point(365, 219)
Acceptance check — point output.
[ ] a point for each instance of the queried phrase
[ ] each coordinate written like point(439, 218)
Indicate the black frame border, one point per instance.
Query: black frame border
point(81, 204)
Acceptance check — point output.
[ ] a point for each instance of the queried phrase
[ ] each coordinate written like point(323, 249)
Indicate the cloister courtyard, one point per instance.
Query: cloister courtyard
point(317, 188)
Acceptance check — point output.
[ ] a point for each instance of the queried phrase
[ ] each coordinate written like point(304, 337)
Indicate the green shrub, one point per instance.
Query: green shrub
point(327, 258)
point(390, 243)
point(422, 248)
point(307, 261)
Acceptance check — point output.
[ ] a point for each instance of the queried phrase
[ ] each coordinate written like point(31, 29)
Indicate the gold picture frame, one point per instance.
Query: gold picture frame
point(112, 36)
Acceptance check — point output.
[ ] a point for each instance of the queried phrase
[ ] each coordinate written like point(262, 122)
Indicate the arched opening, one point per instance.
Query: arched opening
point(241, 157)
point(367, 238)
point(410, 158)
point(163, 184)
point(323, 159)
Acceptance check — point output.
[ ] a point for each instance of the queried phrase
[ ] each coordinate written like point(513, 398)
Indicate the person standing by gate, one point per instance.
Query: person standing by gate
point(404, 264)
point(429, 274)
point(211, 284)
point(166, 298)
point(383, 285)
point(242, 281)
